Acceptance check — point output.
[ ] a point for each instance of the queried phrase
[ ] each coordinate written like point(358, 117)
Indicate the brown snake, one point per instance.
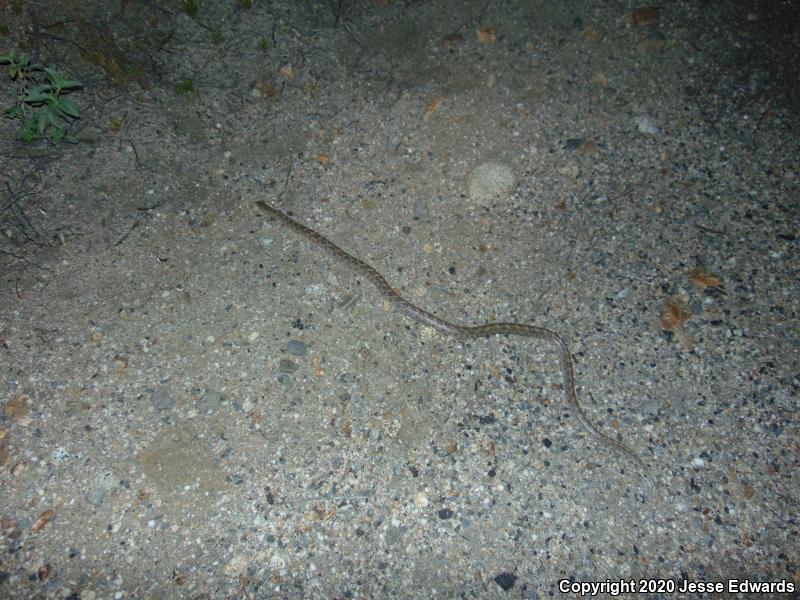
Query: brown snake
point(458, 331)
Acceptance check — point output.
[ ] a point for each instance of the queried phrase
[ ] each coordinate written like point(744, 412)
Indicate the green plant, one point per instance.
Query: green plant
point(184, 86)
point(41, 108)
point(190, 7)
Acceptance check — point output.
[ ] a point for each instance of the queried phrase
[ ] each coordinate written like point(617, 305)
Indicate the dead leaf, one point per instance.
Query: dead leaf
point(42, 521)
point(321, 513)
point(16, 408)
point(433, 105)
point(647, 15)
point(487, 35)
point(120, 364)
point(262, 89)
point(674, 314)
point(588, 147)
point(452, 40)
point(323, 159)
point(287, 71)
point(19, 468)
point(593, 34)
point(704, 278)
point(5, 456)
point(9, 527)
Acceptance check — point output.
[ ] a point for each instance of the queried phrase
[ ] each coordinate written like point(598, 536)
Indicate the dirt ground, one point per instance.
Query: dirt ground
point(199, 402)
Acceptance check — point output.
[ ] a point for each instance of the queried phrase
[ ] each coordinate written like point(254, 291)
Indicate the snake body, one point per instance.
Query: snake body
point(458, 331)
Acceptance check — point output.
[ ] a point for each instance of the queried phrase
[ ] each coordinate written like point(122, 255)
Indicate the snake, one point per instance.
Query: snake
point(461, 332)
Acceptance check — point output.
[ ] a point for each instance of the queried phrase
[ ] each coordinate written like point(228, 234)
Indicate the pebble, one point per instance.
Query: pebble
point(505, 580)
point(646, 125)
point(296, 347)
point(96, 496)
point(420, 209)
point(209, 401)
point(490, 180)
point(161, 399)
point(287, 366)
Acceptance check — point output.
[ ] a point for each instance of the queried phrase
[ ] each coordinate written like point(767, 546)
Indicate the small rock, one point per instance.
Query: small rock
point(420, 209)
point(161, 399)
point(96, 496)
point(646, 125)
point(209, 401)
point(569, 170)
point(655, 41)
point(59, 455)
point(287, 366)
point(490, 180)
point(296, 347)
point(505, 580)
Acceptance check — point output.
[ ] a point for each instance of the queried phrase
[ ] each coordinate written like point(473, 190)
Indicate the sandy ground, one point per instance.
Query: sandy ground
point(198, 402)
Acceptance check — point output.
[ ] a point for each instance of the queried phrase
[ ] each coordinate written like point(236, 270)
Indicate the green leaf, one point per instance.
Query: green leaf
point(41, 120)
point(38, 94)
point(53, 75)
point(190, 7)
point(52, 117)
point(13, 112)
point(27, 132)
point(66, 106)
point(58, 133)
point(70, 84)
point(34, 98)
